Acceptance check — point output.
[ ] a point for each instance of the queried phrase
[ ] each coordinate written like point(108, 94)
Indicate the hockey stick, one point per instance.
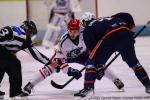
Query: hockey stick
point(58, 86)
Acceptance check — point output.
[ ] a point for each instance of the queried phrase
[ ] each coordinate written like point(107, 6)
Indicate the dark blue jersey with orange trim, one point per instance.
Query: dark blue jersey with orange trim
point(126, 17)
point(96, 29)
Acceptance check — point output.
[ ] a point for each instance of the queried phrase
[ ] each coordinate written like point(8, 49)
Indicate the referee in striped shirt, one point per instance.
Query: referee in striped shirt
point(12, 40)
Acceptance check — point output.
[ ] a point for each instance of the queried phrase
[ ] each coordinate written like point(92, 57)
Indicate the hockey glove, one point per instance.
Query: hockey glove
point(74, 72)
point(100, 73)
point(57, 69)
point(55, 65)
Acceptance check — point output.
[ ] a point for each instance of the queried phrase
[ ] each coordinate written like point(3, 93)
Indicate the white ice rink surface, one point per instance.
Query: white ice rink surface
point(104, 89)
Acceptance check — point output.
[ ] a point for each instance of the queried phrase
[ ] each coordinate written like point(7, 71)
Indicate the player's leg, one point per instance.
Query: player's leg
point(2, 95)
point(128, 54)
point(2, 67)
point(89, 80)
point(102, 55)
point(13, 69)
point(2, 72)
point(52, 31)
point(3, 60)
point(110, 75)
point(41, 75)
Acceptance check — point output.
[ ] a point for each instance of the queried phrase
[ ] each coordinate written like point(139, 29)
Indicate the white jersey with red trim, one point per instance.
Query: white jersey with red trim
point(70, 49)
point(67, 49)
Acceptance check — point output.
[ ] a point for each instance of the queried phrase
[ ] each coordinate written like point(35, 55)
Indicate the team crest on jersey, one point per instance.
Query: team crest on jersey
point(74, 53)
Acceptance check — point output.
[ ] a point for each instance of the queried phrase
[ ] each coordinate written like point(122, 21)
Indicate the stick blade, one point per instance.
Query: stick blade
point(56, 85)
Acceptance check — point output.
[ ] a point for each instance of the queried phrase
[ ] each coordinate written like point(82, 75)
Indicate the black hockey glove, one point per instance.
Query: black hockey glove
point(100, 73)
point(57, 69)
point(74, 72)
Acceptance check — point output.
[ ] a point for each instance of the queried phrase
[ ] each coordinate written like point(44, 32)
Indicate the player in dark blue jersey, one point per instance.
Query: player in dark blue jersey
point(115, 35)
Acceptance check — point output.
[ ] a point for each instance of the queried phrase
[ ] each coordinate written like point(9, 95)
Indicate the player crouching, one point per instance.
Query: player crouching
point(47, 71)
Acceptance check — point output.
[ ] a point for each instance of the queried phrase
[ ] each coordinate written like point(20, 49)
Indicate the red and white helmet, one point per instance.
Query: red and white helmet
point(74, 28)
point(74, 24)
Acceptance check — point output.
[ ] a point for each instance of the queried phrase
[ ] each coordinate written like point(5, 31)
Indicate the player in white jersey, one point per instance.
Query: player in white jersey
point(71, 49)
point(60, 12)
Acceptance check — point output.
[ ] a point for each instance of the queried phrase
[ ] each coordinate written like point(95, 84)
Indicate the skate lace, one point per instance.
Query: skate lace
point(118, 83)
point(29, 88)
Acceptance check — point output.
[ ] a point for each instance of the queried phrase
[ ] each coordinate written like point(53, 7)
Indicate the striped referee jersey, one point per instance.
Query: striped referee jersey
point(14, 39)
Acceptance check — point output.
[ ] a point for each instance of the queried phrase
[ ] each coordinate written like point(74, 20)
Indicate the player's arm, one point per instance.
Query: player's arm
point(38, 56)
point(64, 66)
point(89, 36)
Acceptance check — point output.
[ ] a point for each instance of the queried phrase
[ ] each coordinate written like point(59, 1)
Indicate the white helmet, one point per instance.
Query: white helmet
point(87, 16)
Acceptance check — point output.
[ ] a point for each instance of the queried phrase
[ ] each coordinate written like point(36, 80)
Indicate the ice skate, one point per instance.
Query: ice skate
point(85, 92)
point(119, 84)
point(27, 89)
point(147, 90)
point(2, 95)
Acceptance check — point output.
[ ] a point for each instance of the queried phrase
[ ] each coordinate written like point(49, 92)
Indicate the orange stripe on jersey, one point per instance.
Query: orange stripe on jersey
point(101, 40)
point(42, 74)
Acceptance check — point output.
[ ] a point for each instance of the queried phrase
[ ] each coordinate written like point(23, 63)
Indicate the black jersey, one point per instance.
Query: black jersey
point(126, 17)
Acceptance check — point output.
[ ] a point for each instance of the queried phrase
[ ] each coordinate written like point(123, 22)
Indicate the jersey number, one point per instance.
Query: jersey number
point(6, 34)
point(3, 32)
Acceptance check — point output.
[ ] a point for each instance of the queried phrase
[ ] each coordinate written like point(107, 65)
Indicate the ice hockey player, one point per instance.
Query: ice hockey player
point(59, 13)
point(116, 35)
point(71, 49)
point(12, 40)
point(62, 7)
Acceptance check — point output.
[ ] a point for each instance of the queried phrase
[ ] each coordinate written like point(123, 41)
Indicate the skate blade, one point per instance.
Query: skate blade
point(88, 97)
point(82, 98)
point(122, 90)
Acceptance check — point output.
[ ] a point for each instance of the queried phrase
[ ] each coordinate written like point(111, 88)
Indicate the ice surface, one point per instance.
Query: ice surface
point(104, 89)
